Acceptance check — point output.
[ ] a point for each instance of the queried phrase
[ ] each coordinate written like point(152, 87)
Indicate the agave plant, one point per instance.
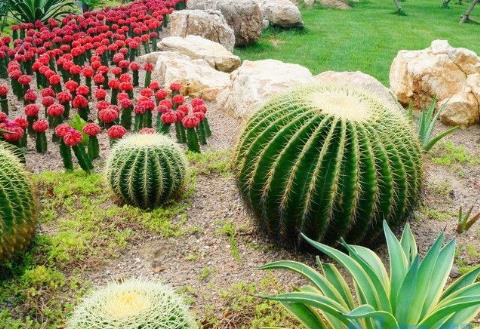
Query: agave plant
point(413, 295)
point(30, 11)
point(466, 220)
point(426, 124)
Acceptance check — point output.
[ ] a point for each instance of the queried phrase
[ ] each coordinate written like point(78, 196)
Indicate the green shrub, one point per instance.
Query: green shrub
point(146, 170)
point(329, 162)
point(18, 208)
point(132, 304)
point(29, 11)
point(413, 295)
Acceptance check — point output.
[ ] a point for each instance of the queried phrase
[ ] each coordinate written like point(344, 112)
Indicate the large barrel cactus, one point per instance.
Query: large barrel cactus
point(329, 162)
point(18, 207)
point(133, 304)
point(146, 170)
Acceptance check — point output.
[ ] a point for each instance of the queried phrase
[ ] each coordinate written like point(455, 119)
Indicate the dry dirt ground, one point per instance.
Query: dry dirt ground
point(207, 262)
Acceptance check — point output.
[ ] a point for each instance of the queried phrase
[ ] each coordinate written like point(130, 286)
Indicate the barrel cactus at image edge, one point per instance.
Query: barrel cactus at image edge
point(146, 170)
point(330, 162)
point(132, 304)
point(18, 206)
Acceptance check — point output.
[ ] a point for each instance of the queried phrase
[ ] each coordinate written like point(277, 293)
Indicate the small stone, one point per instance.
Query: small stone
point(454, 273)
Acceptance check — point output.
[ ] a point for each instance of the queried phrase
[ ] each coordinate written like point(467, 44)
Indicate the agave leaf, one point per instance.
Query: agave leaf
point(324, 304)
point(398, 265)
point(437, 138)
point(23, 9)
point(431, 118)
point(374, 262)
point(463, 281)
point(319, 281)
point(382, 320)
point(456, 304)
point(407, 292)
point(336, 279)
point(365, 285)
point(412, 295)
point(408, 244)
point(437, 281)
point(306, 315)
point(460, 317)
point(470, 290)
point(377, 276)
point(332, 322)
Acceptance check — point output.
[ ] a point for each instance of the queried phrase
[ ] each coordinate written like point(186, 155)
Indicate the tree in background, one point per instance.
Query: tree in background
point(399, 10)
point(466, 16)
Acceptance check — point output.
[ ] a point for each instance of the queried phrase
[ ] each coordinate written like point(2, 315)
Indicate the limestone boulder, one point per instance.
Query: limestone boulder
point(243, 16)
point(307, 3)
point(254, 82)
point(195, 47)
point(209, 24)
point(335, 4)
point(440, 72)
point(361, 81)
point(463, 108)
point(281, 13)
point(198, 77)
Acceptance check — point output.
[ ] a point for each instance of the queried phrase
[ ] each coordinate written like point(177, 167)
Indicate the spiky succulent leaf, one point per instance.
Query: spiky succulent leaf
point(132, 304)
point(29, 11)
point(146, 170)
point(419, 300)
point(330, 162)
point(18, 208)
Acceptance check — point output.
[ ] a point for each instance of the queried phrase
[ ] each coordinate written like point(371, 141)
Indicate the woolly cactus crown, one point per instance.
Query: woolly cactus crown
point(330, 162)
point(18, 208)
point(133, 304)
point(146, 169)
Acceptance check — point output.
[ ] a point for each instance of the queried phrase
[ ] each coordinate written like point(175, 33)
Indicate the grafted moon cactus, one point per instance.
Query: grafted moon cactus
point(132, 304)
point(329, 162)
point(18, 207)
point(146, 170)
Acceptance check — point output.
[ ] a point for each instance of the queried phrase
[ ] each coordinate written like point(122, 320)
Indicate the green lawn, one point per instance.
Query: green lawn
point(365, 38)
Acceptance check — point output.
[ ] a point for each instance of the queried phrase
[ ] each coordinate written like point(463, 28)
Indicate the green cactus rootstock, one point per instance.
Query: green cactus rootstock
point(146, 170)
point(133, 304)
point(18, 207)
point(329, 162)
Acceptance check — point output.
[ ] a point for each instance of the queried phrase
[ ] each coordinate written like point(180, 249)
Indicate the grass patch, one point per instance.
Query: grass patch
point(435, 214)
point(81, 229)
point(230, 231)
point(244, 310)
point(448, 153)
point(206, 273)
point(212, 162)
point(365, 38)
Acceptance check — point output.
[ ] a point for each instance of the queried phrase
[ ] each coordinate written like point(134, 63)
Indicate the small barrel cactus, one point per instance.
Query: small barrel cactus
point(146, 170)
point(130, 305)
point(18, 208)
point(329, 162)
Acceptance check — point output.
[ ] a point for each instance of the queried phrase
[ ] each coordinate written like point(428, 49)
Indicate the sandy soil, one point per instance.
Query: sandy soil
point(180, 261)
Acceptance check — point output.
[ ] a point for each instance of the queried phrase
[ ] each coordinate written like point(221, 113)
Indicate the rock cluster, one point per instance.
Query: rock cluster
point(449, 75)
point(243, 16)
point(209, 24)
point(197, 47)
